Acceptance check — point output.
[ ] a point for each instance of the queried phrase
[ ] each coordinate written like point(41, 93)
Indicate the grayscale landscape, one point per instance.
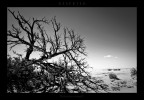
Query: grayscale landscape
point(71, 50)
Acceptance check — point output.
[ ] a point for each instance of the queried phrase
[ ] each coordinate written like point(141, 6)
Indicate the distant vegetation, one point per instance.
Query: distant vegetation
point(114, 69)
point(133, 72)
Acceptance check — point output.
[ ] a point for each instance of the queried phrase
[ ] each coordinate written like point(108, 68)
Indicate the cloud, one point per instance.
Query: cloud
point(110, 56)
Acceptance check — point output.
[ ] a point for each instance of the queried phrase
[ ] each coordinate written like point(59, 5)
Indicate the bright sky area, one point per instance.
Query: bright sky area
point(110, 33)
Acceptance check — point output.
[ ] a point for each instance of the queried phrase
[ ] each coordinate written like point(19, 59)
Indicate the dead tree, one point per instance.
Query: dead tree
point(70, 46)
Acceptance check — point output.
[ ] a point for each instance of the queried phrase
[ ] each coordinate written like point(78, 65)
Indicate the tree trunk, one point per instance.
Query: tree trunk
point(29, 51)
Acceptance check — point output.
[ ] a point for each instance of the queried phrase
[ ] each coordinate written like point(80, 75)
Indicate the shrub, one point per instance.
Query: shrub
point(113, 76)
point(115, 88)
point(122, 83)
point(133, 71)
point(18, 75)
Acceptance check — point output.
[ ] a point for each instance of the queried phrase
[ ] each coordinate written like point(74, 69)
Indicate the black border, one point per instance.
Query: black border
point(72, 3)
point(81, 3)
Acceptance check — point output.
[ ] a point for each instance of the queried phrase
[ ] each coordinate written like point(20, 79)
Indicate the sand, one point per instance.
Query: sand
point(125, 85)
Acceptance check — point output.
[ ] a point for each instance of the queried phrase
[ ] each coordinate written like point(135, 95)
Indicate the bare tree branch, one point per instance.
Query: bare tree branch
point(27, 28)
point(69, 46)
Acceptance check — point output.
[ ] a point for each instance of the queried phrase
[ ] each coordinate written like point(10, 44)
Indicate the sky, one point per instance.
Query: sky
point(110, 33)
